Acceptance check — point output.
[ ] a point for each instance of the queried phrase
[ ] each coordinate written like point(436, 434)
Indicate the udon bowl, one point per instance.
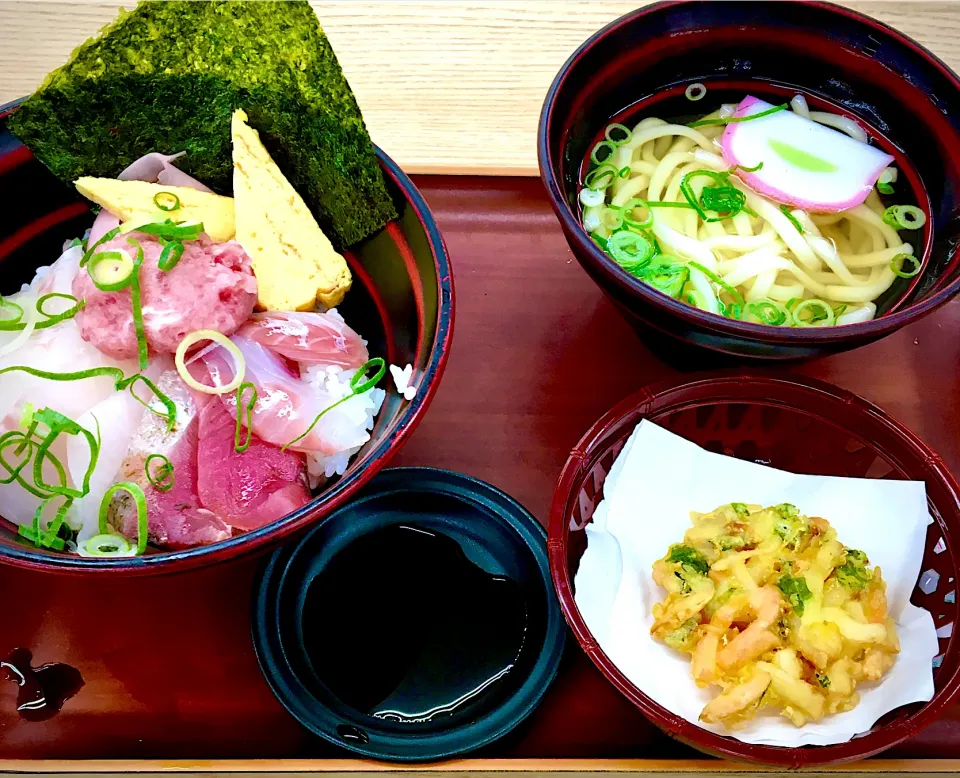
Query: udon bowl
point(796, 424)
point(849, 62)
point(401, 302)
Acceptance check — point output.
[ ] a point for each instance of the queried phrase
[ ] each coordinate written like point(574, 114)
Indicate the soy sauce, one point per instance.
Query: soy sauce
point(42, 690)
point(403, 627)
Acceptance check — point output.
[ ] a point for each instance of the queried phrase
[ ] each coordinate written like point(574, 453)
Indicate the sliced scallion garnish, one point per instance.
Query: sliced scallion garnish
point(359, 384)
point(735, 119)
point(904, 217)
point(166, 201)
point(820, 311)
point(896, 265)
point(172, 251)
point(139, 499)
point(161, 477)
point(785, 210)
point(244, 416)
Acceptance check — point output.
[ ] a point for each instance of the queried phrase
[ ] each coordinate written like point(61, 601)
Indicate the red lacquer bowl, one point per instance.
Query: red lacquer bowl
point(843, 60)
point(795, 424)
point(401, 302)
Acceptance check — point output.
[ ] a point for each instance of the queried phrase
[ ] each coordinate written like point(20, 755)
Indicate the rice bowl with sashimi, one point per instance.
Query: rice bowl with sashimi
point(167, 385)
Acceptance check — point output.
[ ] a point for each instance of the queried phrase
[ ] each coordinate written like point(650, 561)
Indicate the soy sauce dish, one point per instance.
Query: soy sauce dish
point(733, 176)
point(416, 623)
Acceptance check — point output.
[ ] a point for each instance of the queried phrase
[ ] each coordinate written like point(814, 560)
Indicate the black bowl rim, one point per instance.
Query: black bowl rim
point(601, 263)
point(469, 736)
point(329, 499)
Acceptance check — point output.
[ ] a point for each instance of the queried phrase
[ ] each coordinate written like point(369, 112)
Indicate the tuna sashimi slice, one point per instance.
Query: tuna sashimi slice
point(308, 338)
point(804, 164)
point(176, 518)
point(250, 489)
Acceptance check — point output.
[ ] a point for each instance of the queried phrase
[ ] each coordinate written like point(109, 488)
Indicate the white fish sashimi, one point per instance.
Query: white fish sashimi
point(117, 418)
point(57, 349)
point(804, 163)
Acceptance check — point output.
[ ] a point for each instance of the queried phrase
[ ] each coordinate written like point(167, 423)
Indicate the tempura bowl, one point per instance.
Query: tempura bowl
point(795, 424)
point(855, 64)
point(401, 302)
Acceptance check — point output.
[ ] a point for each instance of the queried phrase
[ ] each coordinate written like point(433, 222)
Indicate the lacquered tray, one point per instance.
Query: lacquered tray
point(539, 354)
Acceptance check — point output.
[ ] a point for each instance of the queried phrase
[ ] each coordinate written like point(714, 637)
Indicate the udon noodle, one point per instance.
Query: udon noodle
point(730, 250)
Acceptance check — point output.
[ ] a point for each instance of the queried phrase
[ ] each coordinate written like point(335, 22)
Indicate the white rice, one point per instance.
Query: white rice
point(358, 412)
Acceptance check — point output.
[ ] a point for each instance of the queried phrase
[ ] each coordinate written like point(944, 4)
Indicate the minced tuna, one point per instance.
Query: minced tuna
point(212, 287)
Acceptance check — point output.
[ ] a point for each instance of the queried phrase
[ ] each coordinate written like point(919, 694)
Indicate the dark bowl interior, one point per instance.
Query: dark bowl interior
point(841, 59)
point(494, 533)
point(794, 424)
point(401, 302)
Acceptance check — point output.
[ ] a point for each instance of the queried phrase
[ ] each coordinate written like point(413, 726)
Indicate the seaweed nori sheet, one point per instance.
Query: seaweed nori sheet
point(167, 77)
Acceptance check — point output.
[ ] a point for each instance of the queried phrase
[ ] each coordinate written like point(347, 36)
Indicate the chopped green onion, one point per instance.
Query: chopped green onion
point(628, 210)
point(108, 545)
point(56, 318)
point(241, 410)
point(595, 154)
point(737, 297)
point(90, 251)
point(667, 204)
point(627, 134)
point(665, 274)
point(896, 265)
point(172, 230)
point(611, 217)
point(904, 217)
point(735, 119)
point(630, 250)
point(768, 312)
point(624, 172)
point(137, 309)
point(139, 499)
point(819, 311)
point(838, 311)
point(745, 169)
point(58, 424)
point(359, 384)
point(172, 251)
point(793, 219)
point(722, 197)
point(10, 314)
point(16, 324)
point(168, 404)
point(163, 478)
point(121, 382)
point(75, 242)
point(731, 311)
point(111, 271)
point(166, 201)
point(53, 528)
point(886, 179)
point(791, 302)
point(592, 197)
point(600, 177)
point(695, 92)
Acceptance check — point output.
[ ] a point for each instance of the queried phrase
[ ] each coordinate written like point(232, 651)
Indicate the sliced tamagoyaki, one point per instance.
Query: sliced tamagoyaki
point(139, 202)
point(294, 262)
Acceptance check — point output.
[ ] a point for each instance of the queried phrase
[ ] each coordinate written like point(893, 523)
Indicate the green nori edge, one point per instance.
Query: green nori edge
point(167, 77)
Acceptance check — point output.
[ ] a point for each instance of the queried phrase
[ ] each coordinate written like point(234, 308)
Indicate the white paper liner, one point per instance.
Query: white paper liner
point(653, 485)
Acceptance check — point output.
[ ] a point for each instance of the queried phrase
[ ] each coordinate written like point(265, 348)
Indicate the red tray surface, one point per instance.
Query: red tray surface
point(539, 354)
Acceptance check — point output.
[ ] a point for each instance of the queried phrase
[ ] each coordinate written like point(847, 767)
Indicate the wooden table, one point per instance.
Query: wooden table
point(539, 354)
point(446, 86)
